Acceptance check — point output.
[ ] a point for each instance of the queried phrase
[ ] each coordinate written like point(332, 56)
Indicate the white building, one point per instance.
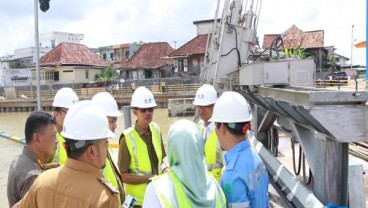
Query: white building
point(51, 40)
point(27, 56)
point(15, 77)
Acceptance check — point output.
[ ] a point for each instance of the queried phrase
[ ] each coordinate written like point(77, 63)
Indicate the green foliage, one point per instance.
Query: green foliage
point(108, 74)
point(295, 52)
point(330, 62)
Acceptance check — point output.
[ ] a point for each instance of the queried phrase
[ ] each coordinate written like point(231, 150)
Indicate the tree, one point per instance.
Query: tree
point(108, 74)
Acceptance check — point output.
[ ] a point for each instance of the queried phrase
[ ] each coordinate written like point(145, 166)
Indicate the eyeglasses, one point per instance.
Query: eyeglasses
point(143, 110)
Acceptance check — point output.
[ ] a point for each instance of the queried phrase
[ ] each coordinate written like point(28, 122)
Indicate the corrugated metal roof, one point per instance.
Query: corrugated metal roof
point(294, 37)
point(195, 46)
point(72, 54)
point(150, 56)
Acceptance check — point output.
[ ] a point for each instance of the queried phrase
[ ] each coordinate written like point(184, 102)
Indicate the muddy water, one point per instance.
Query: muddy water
point(13, 123)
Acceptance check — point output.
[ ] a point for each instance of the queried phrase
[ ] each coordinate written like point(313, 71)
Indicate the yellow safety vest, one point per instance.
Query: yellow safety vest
point(139, 159)
point(168, 182)
point(60, 153)
point(213, 154)
point(109, 175)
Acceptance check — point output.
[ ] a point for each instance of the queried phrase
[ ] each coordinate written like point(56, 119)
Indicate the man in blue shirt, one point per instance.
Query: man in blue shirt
point(245, 179)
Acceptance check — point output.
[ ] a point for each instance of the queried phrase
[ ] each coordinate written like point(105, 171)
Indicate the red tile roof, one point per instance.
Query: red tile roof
point(294, 37)
point(195, 46)
point(150, 56)
point(72, 54)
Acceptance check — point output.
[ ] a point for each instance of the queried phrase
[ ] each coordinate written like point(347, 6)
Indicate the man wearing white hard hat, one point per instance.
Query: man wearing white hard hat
point(141, 149)
point(204, 101)
point(79, 183)
point(63, 100)
point(108, 104)
point(245, 179)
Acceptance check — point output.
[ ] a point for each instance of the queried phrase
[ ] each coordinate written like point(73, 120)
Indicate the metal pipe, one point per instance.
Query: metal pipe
point(37, 55)
point(127, 117)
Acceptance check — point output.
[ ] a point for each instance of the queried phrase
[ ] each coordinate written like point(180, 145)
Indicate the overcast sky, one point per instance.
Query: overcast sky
point(123, 21)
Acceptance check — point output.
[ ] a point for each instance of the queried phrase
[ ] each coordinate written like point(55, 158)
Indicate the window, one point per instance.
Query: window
point(104, 56)
point(52, 43)
point(111, 56)
point(127, 54)
point(87, 74)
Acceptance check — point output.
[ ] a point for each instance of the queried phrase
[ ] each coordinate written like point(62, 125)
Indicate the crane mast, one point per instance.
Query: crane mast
point(283, 98)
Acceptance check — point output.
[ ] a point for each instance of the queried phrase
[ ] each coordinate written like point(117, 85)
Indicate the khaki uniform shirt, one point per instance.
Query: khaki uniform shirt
point(124, 156)
point(77, 184)
point(24, 169)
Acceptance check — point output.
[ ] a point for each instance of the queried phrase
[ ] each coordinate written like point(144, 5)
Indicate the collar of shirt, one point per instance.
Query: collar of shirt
point(83, 167)
point(233, 152)
point(210, 127)
point(141, 131)
point(29, 154)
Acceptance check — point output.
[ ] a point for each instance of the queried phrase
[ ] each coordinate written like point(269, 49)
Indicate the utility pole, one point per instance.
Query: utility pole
point(44, 6)
point(352, 45)
point(37, 55)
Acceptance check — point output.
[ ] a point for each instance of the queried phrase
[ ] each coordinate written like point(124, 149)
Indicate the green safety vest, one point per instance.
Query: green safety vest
point(213, 154)
point(109, 175)
point(168, 183)
point(60, 153)
point(139, 159)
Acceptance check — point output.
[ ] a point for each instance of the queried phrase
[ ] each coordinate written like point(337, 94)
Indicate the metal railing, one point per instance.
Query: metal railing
point(88, 92)
point(353, 84)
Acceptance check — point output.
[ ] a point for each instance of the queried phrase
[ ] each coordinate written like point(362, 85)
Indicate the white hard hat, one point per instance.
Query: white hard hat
point(143, 98)
point(86, 121)
point(231, 107)
point(107, 103)
point(206, 95)
point(65, 97)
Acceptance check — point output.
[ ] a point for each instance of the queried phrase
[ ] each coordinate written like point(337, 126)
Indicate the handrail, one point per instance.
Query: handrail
point(351, 84)
point(87, 92)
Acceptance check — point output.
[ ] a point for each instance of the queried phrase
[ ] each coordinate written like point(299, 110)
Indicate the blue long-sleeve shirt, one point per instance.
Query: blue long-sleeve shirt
point(245, 179)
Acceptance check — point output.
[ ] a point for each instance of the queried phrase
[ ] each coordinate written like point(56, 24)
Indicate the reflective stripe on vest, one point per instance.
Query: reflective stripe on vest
point(140, 163)
point(171, 194)
point(213, 155)
point(108, 173)
point(60, 153)
point(256, 175)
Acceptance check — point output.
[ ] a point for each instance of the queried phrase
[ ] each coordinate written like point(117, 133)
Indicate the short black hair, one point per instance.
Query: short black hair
point(236, 129)
point(36, 121)
point(74, 152)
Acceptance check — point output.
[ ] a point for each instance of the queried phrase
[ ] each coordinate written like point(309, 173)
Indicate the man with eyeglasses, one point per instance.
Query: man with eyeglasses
point(141, 149)
point(204, 101)
point(40, 133)
point(63, 100)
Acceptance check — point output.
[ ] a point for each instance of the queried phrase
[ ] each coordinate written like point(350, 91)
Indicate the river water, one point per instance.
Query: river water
point(13, 123)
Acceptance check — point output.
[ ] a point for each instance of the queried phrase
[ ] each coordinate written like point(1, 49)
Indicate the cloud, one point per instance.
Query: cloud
point(116, 21)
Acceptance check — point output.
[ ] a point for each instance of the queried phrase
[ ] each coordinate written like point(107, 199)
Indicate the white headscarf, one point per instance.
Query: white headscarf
point(185, 149)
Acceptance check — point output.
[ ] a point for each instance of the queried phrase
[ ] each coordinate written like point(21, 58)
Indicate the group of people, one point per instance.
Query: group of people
point(67, 162)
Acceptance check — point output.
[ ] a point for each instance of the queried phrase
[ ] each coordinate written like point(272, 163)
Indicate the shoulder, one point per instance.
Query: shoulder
point(127, 131)
point(109, 186)
point(155, 125)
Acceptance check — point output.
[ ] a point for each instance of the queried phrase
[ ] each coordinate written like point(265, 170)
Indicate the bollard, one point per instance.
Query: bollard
point(127, 117)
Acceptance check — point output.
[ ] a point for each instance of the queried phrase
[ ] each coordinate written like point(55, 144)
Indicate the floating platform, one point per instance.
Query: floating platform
point(15, 138)
point(181, 107)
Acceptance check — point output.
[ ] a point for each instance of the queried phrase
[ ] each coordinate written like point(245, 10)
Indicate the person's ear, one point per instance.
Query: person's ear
point(91, 151)
point(135, 112)
point(36, 138)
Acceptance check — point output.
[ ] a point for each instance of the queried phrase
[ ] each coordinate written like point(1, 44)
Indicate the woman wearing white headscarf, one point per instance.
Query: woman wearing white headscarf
point(187, 184)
